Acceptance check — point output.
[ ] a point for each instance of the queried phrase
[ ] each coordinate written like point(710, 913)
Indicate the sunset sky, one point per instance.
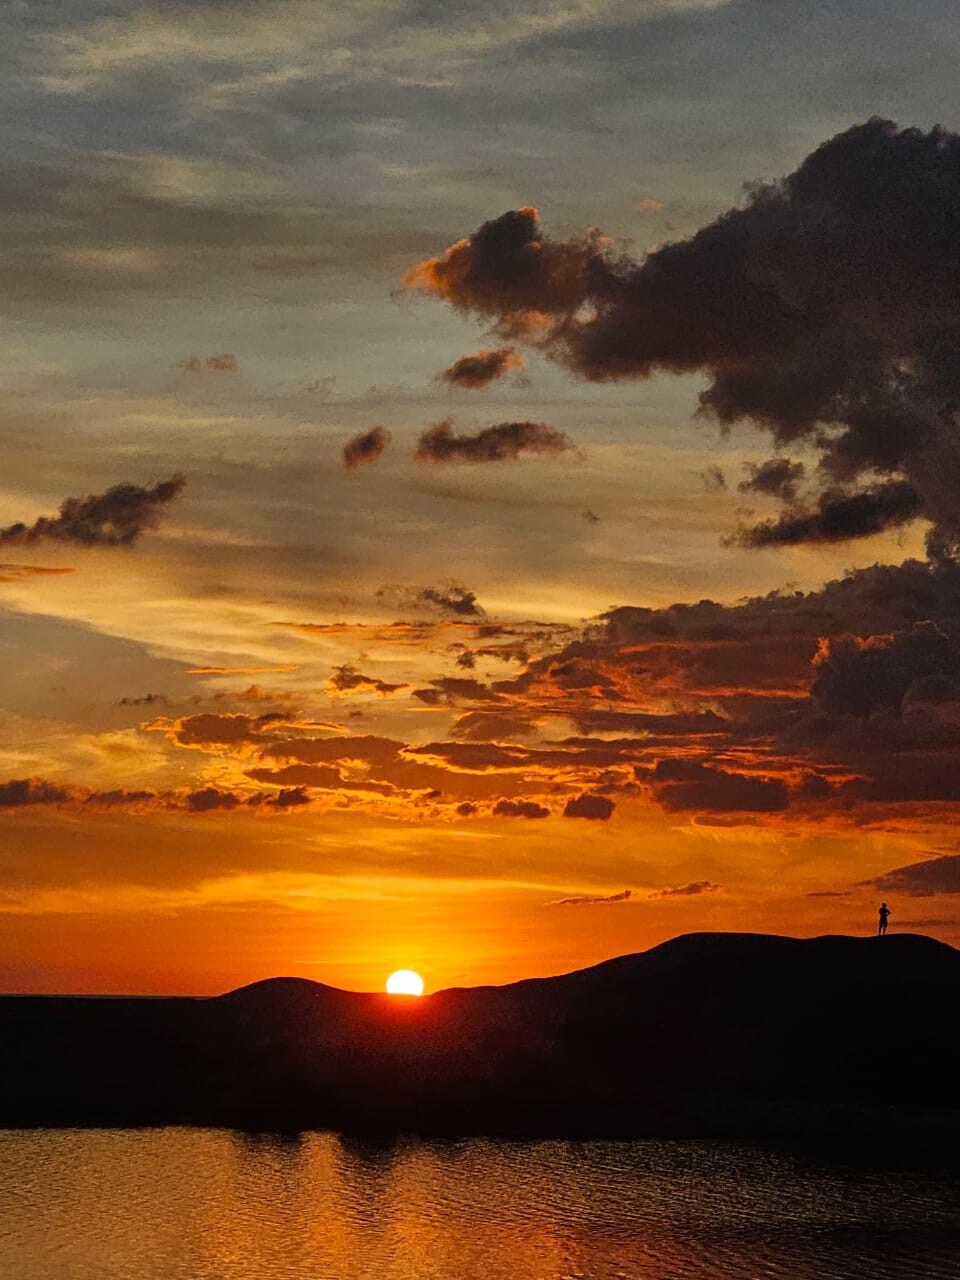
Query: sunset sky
point(370, 468)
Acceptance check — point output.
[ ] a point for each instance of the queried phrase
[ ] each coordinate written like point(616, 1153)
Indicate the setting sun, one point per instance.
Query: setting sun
point(405, 983)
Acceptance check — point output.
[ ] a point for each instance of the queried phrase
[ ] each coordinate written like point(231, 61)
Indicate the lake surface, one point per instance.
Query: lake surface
point(182, 1204)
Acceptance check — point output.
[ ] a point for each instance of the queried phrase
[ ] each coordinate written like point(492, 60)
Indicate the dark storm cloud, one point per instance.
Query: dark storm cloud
point(365, 446)
point(591, 900)
point(505, 441)
point(520, 809)
point(777, 477)
point(922, 879)
point(597, 808)
point(481, 368)
point(838, 517)
point(826, 309)
point(116, 518)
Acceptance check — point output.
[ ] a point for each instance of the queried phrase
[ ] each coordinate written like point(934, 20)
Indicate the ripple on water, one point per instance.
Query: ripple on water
point(182, 1204)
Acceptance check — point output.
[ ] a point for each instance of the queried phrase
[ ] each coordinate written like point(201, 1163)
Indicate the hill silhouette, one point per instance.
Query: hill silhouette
point(708, 1034)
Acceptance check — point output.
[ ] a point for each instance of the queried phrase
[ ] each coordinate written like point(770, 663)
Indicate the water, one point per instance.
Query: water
point(182, 1204)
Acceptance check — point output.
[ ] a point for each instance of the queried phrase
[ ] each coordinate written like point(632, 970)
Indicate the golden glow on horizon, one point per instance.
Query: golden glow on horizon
point(405, 983)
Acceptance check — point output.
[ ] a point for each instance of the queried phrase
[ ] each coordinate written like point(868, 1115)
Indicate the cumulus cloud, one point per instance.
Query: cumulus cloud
point(825, 309)
point(598, 808)
point(857, 676)
point(481, 368)
point(365, 447)
point(591, 900)
point(505, 441)
point(116, 518)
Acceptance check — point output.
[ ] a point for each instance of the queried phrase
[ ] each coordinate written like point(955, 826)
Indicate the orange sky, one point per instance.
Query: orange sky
point(392, 575)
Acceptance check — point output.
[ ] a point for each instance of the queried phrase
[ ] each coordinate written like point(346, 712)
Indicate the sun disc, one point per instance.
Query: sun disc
point(405, 983)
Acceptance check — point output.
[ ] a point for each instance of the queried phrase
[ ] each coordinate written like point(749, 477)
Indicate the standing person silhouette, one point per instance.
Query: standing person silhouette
point(884, 914)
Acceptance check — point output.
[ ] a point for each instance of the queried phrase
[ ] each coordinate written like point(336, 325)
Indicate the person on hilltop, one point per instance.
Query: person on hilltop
point(884, 914)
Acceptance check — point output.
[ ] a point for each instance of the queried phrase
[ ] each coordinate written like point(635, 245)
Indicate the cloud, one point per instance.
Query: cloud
point(347, 679)
point(777, 477)
point(116, 518)
point(481, 368)
point(598, 808)
point(690, 890)
point(17, 572)
point(713, 479)
point(209, 798)
point(519, 809)
point(857, 676)
point(225, 362)
point(452, 599)
point(591, 900)
point(490, 726)
point(23, 791)
point(365, 447)
point(838, 517)
point(506, 440)
point(682, 785)
point(212, 729)
point(825, 309)
point(921, 879)
point(453, 689)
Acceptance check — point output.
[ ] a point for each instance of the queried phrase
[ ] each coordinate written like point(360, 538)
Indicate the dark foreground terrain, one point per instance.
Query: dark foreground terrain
point(706, 1035)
